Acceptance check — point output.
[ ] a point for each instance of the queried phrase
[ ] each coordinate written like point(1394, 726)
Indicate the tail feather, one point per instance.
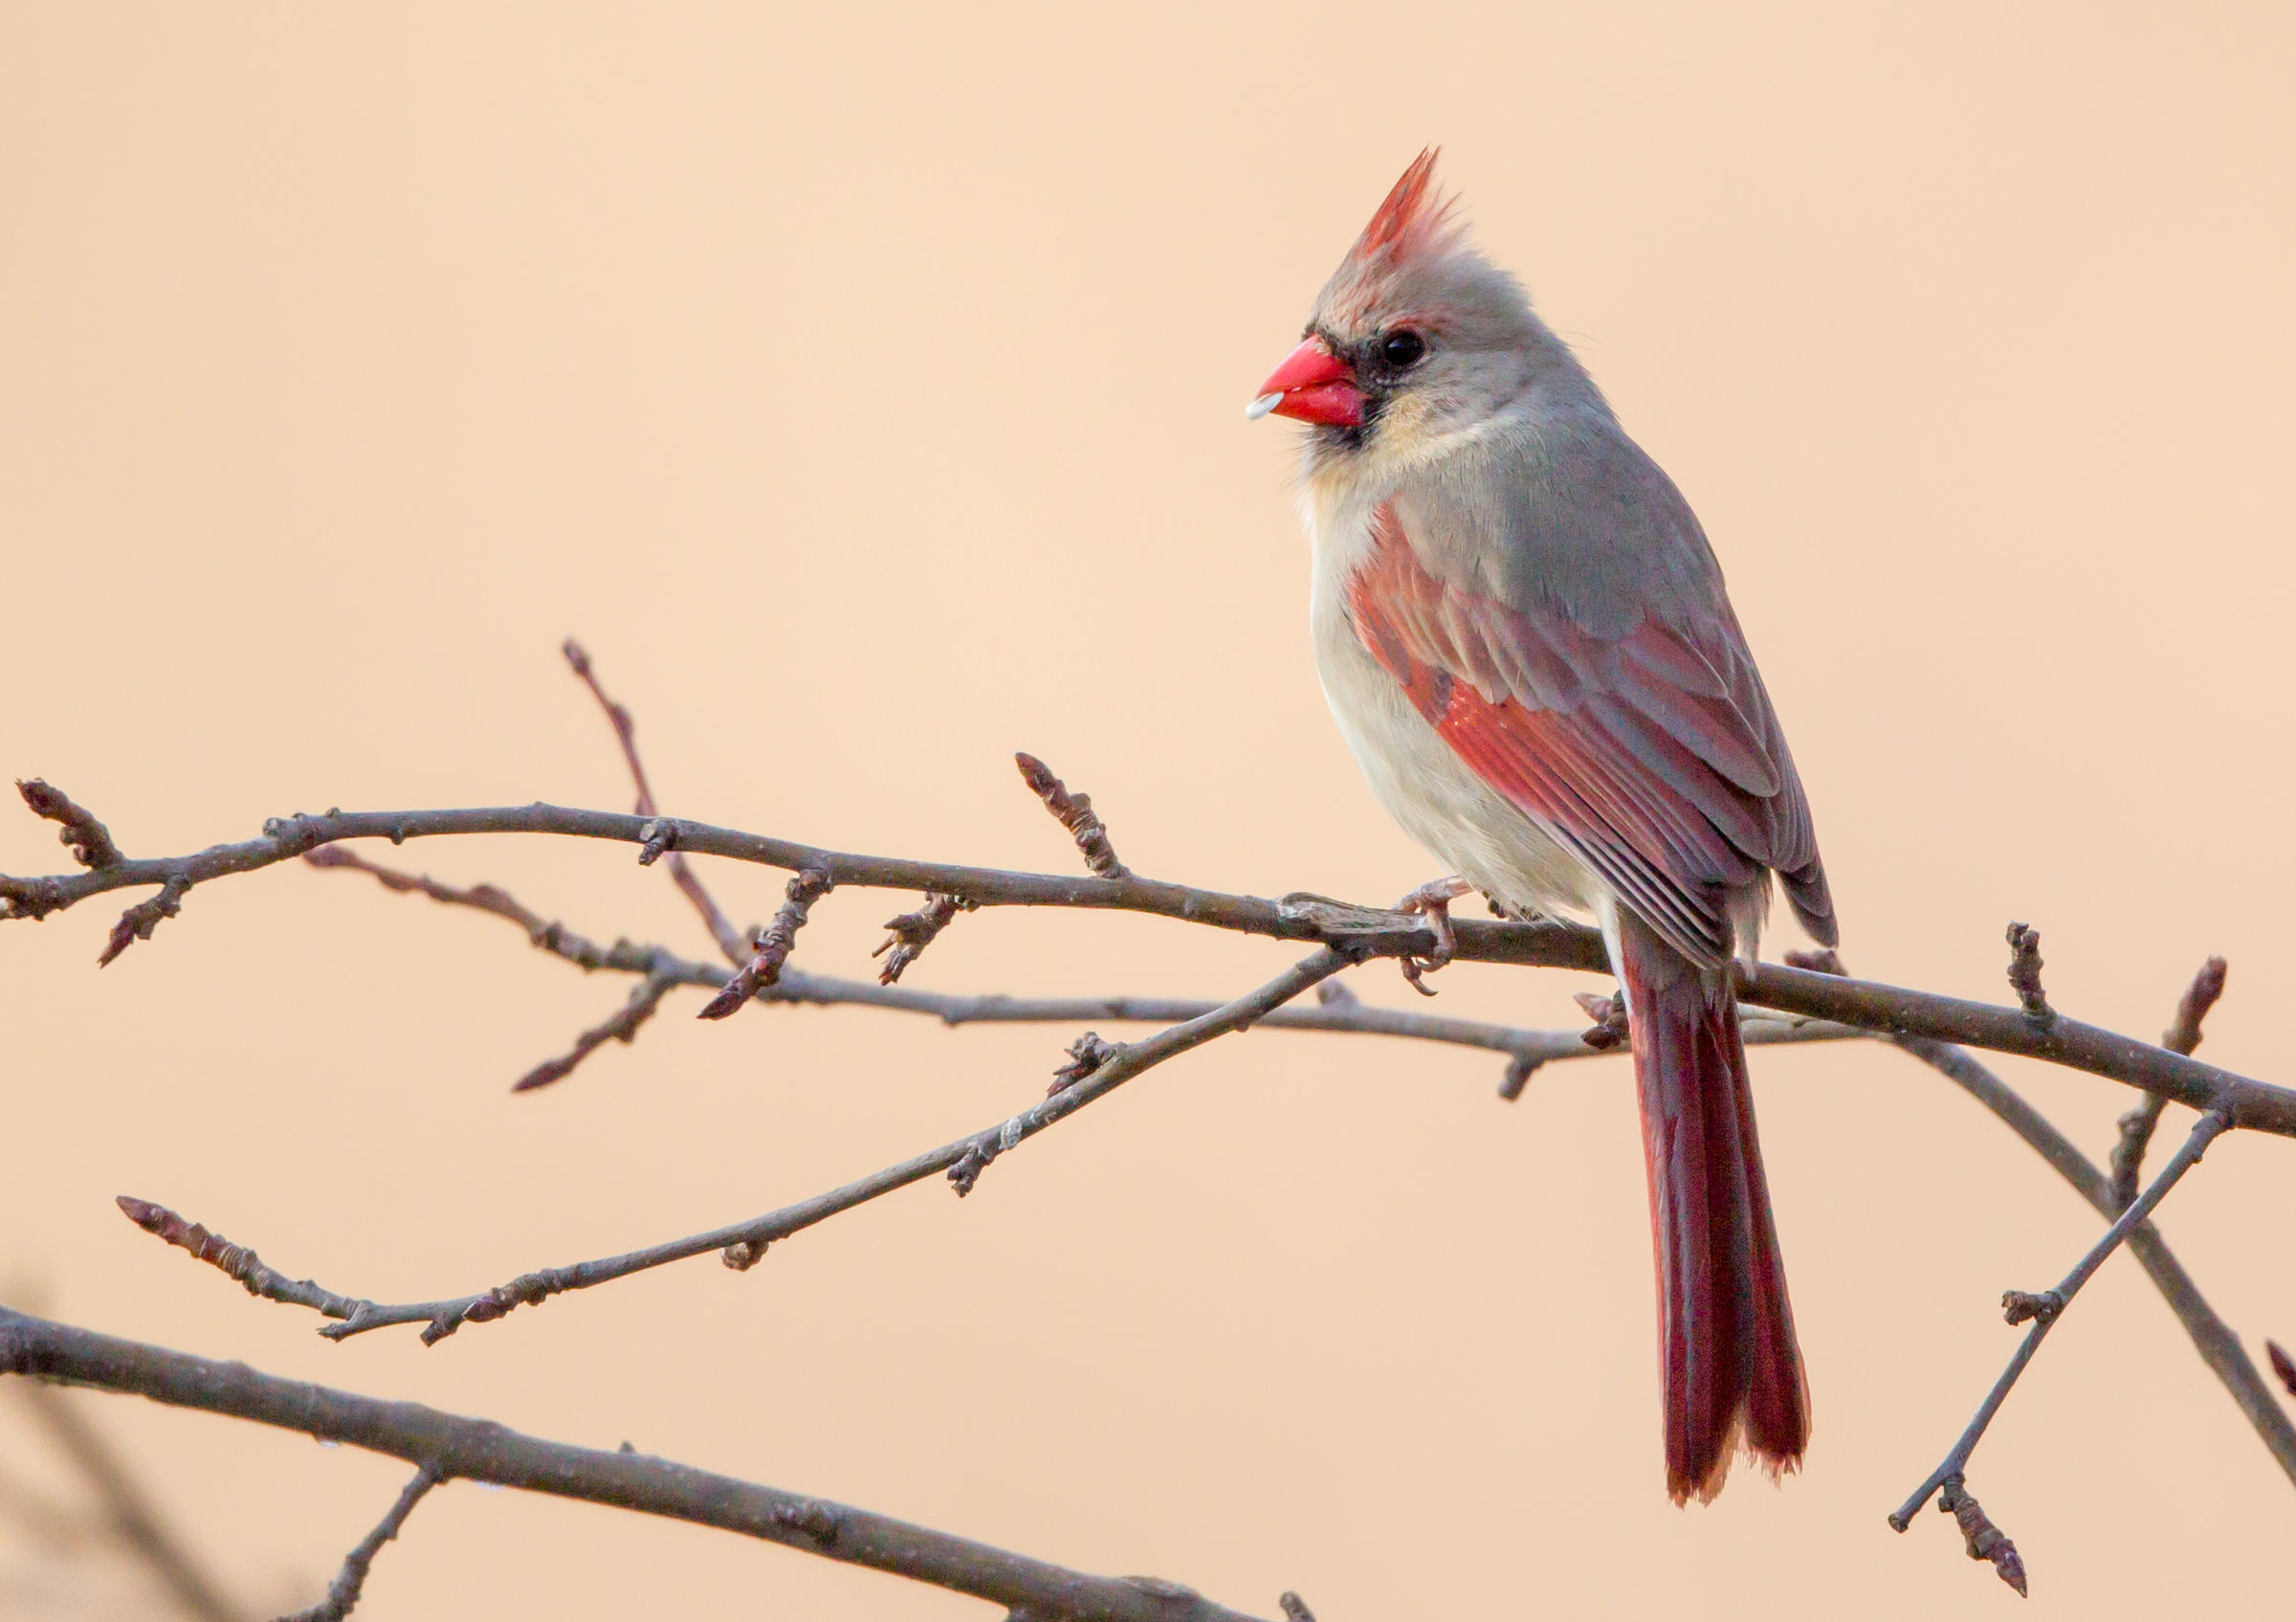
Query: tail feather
point(1729, 1361)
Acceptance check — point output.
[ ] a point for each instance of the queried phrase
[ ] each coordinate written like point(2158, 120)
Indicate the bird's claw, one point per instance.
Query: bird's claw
point(1433, 901)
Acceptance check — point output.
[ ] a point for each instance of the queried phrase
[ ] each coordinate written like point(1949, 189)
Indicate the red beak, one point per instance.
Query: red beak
point(1312, 385)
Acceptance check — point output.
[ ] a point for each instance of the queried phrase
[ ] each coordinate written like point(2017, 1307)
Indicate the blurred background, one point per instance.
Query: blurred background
point(864, 388)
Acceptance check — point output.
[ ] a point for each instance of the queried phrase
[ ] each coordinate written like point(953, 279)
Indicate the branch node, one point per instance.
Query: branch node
point(90, 841)
point(1519, 1070)
point(1295, 1608)
point(1075, 814)
point(2024, 974)
point(1983, 1540)
point(2282, 1365)
point(527, 1289)
point(742, 1254)
point(774, 945)
point(2021, 1306)
point(137, 922)
point(660, 836)
point(975, 1160)
point(1086, 1055)
point(811, 1518)
point(912, 932)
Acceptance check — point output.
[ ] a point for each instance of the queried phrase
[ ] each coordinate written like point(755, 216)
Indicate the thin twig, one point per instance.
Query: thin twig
point(443, 1318)
point(235, 1262)
point(681, 871)
point(475, 1450)
point(126, 1505)
point(543, 934)
point(1340, 1011)
point(2204, 1132)
point(622, 1026)
point(2182, 1036)
point(1365, 932)
point(2220, 1348)
point(774, 946)
point(88, 839)
point(342, 1593)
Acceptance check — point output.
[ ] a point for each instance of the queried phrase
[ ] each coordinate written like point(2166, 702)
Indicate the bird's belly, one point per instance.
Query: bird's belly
point(1466, 825)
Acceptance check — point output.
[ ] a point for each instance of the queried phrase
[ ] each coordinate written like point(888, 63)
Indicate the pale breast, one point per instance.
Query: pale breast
point(1467, 826)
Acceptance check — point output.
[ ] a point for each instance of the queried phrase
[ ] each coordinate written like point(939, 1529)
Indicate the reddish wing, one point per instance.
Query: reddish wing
point(1652, 756)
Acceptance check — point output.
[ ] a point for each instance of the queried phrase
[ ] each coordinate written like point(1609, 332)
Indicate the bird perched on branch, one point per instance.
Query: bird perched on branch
point(1526, 640)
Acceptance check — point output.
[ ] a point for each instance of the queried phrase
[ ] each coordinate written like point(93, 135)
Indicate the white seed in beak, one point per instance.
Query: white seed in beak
point(1262, 406)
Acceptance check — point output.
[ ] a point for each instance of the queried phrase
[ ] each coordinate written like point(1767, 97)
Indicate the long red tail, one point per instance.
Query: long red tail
point(1727, 1350)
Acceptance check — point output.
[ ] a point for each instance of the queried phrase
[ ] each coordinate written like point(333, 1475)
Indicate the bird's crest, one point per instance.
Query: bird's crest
point(1415, 220)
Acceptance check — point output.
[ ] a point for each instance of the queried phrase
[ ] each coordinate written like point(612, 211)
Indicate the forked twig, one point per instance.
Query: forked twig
point(2047, 1308)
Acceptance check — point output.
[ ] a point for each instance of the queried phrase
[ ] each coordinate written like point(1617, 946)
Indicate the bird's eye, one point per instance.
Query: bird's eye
point(1403, 348)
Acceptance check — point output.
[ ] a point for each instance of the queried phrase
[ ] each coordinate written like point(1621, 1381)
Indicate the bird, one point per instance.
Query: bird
point(1524, 636)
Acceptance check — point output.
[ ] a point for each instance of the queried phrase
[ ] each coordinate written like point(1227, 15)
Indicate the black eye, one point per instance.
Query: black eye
point(1403, 348)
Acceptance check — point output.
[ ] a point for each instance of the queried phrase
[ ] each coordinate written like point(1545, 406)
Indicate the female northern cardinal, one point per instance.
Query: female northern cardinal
point(1525, 638)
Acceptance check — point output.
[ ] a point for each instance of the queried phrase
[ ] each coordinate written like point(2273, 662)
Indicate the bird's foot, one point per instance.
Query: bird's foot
point(1433, 902)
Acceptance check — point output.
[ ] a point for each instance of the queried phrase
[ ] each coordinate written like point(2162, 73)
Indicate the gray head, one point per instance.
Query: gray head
point(1416, 338)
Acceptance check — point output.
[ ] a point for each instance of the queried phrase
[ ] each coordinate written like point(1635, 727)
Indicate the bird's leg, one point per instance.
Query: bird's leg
point(1433, 902)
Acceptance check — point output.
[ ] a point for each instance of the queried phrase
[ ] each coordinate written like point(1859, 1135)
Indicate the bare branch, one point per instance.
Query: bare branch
point(774, 946)
point(1076, 813)
point(126, 1505)
point(545, 935)
point(746, 1241)
point(1365, 932)
point(90, 841)
point(342, 1593)
point(2182, 1036)
point(644, 1001)
point(2210, 1336)
point(681, 871)
point(2051, 1307)
point(1341, 1012)
point(478, 1450)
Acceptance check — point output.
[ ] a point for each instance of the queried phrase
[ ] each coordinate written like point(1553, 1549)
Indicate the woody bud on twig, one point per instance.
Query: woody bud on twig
point(2024, 973)
point(2282, 1365)
point(233, 1262)
point(137, 922)
point(774, 945)
point(913, 932)
point(1086, 1055)
point(1076, 815)
point(91, 842)
point(1985, 1540)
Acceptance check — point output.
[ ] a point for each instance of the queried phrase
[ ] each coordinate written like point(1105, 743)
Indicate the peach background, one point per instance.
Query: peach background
point(865, 390)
